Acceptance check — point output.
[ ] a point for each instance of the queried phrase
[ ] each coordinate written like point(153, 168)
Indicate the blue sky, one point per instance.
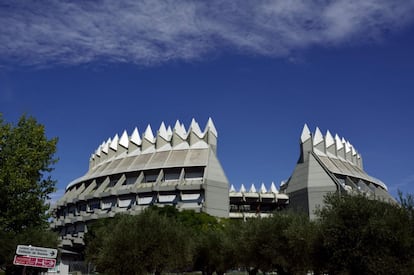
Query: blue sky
point(260, 69)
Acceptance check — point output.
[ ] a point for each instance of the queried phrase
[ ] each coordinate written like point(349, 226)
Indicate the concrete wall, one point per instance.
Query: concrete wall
point(216, 189)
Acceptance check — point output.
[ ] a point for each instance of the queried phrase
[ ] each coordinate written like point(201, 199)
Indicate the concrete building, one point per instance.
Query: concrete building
point(129, 173)
point(254, 203)
point(328, 164)
point(180, 167)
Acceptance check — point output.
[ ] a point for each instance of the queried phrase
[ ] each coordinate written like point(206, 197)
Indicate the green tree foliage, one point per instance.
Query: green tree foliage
point(26, 160)
point(283, 242)
point(197, 222)
point(407, 202)
point(363, 236)
point(216, 247)
point(148, 242)
point(353, 235)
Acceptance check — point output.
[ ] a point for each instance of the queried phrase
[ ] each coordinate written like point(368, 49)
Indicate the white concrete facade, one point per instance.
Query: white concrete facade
point(328, 164)
point(129, 173)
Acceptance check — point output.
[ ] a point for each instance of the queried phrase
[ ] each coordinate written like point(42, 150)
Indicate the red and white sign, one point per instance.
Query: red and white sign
point(34, 251)
point(34, 261)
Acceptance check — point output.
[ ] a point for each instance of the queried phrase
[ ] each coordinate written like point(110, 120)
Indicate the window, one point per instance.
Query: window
point(94, 205)
point(151, 175)
point(145, 199)
point(172, 174)
point(112, 182)
point(126, 201)
point(108, 203)
point(82, 207)
point(193, 173)
point(131, 178)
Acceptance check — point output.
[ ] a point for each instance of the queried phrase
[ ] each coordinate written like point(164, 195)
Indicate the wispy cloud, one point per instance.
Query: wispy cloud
point(150, 32)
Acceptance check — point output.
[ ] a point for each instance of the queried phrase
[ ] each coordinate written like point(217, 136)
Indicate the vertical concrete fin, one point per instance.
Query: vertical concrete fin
point(273, 188)
point(162, 132)
point(252, 189)
point(123, 141)
point(263, 188)
point(210, 127)
point(318, 141)
point(148, 139)
point(242, 188)
point(306, 134)
point(135, 137)
point(114, 143)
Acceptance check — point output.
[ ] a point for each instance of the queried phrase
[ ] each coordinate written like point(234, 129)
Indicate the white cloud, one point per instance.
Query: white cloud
point(149, 32)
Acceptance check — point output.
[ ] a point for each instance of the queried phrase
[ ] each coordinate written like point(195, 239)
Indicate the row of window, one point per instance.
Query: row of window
point(356, 183)
point(128, 201)
point(146, 176)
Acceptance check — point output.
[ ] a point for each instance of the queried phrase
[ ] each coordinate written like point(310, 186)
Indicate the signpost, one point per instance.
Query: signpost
point(43, 252)
point(28, 255)
point(34, 261)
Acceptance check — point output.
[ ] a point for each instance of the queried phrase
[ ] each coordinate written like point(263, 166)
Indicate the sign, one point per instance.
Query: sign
point(34, 261)
point(43, 252)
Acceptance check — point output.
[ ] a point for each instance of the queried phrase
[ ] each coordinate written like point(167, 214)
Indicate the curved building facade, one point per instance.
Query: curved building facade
point(131, 172)
point(328, 164)
point(180, 167)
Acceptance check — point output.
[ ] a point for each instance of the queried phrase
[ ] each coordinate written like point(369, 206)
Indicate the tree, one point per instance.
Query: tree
point(364, 236)
point(213, 242)
point(407, 202)
point(138, 244)
point(216, 246)
point(282, 242)
point(26, 160)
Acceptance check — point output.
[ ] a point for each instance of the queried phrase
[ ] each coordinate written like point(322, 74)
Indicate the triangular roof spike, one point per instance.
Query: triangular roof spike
point(210, 127)
point(253, 189)
point(162, 131)
point(273, 188)
point(195, 128)
point(354, 152)
point(329, 140)
point(123, 141)
point(177, 125)
point(347, 147)
point(179, 129)
point(343, 140)
point(263, 188)
point(338, 142)
point(232, 189)
point(148, 135)
point(135, 137)
point(306, 134)
point(114, 143)
point(169, 131)
point(242, 188)
point(99, 149)
point(105, 147)
point(318, 138)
